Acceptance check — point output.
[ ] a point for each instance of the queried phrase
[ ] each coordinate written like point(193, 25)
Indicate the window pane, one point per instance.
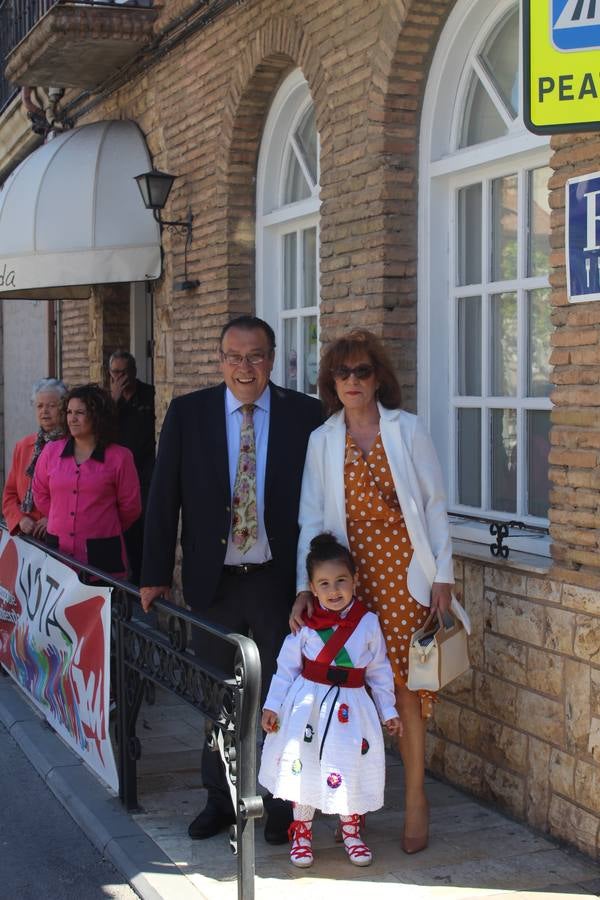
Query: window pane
point(289, 271)
point(482, 121)
point(504, 459)
point(468, 353)
point(538, 447)
point(306, 135)
point(503, 345)
point(501, 59)
point(504, 228)
point(290, 361)
point(538, 343)
point(539, 222)
point(311, 355)
point(469, 235)
point(296, 187)
point(309, 267)
point(469, 456)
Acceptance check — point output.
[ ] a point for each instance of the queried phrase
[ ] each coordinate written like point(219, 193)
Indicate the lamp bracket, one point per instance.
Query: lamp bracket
point(183, 226)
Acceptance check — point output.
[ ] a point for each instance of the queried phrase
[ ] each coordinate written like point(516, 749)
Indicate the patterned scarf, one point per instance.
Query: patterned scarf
point(40, 442)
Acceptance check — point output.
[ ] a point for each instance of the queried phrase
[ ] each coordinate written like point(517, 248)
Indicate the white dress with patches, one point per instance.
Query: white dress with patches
point(328, 751)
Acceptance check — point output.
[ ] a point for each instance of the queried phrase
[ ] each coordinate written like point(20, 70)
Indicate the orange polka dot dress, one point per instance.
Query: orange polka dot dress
point(382, 551)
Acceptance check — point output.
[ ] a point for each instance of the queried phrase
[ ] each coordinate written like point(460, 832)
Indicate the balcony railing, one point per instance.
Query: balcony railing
point(19, 17)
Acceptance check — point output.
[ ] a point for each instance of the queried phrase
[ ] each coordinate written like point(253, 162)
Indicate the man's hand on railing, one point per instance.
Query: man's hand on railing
point(149, 594)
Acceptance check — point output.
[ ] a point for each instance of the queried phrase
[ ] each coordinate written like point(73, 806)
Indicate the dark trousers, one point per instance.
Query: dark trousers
point(134, 542)
point(256, 604)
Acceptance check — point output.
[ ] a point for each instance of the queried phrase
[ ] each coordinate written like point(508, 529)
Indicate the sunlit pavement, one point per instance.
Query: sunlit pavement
point(474, 850)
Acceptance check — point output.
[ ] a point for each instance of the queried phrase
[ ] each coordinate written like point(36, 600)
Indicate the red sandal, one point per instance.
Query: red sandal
point(301, 854)
point(358, 852)
point(338, 837)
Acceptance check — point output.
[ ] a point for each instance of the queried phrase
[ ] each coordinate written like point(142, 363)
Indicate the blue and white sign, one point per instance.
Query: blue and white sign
point(576, 24)
point(582, 237)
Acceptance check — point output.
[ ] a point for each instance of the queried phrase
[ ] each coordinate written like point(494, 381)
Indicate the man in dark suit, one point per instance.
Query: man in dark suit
point(241, 446)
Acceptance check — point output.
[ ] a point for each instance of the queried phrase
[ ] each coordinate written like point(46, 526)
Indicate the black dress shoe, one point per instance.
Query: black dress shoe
point(279, 817)
point(211, 821)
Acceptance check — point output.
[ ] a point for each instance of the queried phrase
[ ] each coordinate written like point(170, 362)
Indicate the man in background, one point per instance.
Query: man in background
point(134, 400)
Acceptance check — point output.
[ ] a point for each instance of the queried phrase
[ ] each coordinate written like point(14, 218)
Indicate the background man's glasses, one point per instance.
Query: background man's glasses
point(362, 372)
point(236, 359)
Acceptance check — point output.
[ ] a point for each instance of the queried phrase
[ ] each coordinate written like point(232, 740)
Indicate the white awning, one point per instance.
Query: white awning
point(71, 215)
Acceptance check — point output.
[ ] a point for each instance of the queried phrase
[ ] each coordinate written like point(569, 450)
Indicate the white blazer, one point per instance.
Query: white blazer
point(419, 488)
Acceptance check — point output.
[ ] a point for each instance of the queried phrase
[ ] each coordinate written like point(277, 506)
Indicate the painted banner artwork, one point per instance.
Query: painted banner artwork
point(55, 642)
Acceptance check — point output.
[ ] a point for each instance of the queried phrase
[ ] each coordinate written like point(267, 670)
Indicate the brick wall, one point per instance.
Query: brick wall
point(202, 109)
point(574, 473)
point(75, 341)
point(522, 728)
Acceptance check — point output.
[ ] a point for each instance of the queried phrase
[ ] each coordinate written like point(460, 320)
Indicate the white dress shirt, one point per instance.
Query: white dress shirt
point(260, 552)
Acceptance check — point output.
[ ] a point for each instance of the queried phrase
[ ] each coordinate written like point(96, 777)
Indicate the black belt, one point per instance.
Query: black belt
point(247, 568)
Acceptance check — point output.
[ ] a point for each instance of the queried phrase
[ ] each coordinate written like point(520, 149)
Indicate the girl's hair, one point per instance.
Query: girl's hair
point(326, 548)
point(356, 345)
point(48, 385)
point(101, 410)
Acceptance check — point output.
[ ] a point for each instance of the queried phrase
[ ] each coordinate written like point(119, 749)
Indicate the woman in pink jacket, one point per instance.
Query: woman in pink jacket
point(88, 486)
point(18, 507)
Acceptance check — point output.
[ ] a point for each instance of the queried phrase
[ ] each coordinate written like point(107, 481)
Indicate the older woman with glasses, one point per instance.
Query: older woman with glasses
point(18, 508)
point(372, 478)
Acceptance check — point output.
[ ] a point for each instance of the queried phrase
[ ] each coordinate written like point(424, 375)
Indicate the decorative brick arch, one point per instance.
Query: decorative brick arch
point(408, 36)
point(276, 48)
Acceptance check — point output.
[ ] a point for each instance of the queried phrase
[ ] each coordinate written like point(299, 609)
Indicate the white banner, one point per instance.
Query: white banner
point(55, 642)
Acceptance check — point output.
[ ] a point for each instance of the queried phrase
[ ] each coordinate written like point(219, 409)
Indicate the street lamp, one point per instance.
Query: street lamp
point(155, 188)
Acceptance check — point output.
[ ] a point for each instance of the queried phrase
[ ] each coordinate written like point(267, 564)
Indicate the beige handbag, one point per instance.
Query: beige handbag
point(437, 653)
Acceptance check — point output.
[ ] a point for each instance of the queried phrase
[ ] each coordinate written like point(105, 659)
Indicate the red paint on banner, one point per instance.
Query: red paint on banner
point(10, 607)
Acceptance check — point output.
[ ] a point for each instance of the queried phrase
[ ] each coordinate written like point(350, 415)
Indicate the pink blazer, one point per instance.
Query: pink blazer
point(89, 505)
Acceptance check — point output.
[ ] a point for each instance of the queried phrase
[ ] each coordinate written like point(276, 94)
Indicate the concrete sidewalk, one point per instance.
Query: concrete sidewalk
point(474, 851)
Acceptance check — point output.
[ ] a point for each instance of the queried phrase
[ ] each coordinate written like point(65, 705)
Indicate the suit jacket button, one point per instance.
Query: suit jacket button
point(223, 541)
point(227, 509)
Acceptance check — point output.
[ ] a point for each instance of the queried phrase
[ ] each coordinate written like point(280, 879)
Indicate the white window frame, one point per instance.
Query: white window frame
point(443, 169)
point(274, 219)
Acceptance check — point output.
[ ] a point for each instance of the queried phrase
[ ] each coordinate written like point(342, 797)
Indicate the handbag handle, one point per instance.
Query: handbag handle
point(430, 619)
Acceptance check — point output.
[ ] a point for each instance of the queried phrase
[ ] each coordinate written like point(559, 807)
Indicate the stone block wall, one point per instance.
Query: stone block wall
point(522, 728)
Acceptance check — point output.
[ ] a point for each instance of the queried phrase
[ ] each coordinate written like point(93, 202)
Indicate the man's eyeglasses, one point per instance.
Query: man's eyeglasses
point(362, 372)
point(236, 359)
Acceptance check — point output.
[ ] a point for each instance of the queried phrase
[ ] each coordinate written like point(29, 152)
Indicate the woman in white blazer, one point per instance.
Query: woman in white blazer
point(396, 530)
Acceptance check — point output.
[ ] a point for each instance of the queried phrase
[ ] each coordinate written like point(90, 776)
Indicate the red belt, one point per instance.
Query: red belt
point(323, 673)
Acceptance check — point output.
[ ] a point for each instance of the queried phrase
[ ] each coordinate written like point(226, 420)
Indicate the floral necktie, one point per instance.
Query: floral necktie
point(244, 529)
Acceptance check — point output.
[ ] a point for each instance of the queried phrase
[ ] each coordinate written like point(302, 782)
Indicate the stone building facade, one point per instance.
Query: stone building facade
point(425, 212)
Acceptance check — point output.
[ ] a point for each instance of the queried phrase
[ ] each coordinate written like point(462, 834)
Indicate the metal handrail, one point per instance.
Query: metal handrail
point(145, 657)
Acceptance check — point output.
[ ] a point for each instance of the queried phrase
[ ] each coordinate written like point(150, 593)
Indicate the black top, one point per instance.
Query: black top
point(135, 418)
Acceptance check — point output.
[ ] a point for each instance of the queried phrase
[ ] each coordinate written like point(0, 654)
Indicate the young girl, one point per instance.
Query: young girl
point(324, 745)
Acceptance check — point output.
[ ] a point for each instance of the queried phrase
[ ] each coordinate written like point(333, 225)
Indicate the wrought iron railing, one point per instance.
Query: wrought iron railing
point(143, 656)
point(18, 17)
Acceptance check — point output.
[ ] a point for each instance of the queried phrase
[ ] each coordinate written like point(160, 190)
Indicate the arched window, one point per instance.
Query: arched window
point(484, 297)
point(287, 237)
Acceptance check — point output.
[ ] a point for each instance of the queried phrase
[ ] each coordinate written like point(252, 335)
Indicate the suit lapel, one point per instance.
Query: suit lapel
point(213, 430)
point(276, 451)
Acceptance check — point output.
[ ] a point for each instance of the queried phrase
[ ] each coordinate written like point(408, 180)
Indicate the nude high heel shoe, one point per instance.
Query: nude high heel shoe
point(416, 843)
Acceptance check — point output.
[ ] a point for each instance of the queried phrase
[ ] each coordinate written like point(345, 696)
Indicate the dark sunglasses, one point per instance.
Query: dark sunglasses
point(362, 372)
